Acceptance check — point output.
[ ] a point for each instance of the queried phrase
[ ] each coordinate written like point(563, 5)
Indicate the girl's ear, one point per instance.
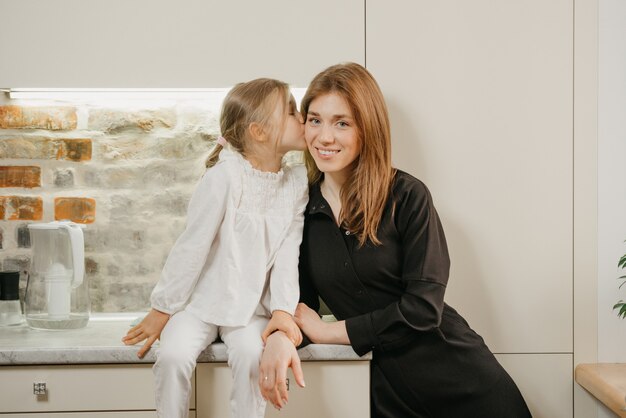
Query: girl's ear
point(257, 133)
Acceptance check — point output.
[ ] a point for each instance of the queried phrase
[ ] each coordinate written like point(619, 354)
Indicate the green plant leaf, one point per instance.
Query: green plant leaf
point(622, 262)
point(622, 309)
point(621, 305)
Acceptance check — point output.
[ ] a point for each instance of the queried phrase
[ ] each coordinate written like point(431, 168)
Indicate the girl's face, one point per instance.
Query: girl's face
point(292, 138)
point(331, 135)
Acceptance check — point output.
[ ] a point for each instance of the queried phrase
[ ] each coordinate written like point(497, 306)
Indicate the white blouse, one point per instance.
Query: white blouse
point(239, 251)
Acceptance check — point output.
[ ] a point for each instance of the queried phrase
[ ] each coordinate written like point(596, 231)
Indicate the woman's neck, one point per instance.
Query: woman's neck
point(331, 190)
point(332, 186)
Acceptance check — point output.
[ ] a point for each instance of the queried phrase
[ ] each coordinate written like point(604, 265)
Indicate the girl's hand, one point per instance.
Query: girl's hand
point(279, 354)
point(282, 321)
point(148, 329)
point(310, 322)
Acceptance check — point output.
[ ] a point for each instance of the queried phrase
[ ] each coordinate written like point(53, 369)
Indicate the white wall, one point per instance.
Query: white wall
point(611, 177)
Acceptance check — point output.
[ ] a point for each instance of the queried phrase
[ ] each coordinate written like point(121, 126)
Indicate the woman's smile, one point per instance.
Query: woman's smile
point(326, 153)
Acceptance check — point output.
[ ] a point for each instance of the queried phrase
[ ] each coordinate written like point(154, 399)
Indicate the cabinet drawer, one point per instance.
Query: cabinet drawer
point(334, 389)
point(79, 388)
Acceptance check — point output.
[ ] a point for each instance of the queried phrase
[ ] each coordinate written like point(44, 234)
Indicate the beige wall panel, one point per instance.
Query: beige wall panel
point(480, 96)
point(585, 197)
point(196, 43)
point(545, 381)
point(334, 389)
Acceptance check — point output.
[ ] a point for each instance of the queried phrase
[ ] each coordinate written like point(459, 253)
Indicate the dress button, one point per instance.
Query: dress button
point(347, 232)
point(322, 206)
point(345, 264)
point(313, 208)
point(359, 292)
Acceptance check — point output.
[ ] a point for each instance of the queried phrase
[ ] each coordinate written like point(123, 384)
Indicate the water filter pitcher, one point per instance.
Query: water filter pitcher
point(57, 295)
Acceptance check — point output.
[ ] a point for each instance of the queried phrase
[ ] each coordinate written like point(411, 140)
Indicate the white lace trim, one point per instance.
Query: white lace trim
point(262, 191)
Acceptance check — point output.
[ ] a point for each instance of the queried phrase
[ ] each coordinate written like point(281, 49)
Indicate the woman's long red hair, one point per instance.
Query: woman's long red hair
point(365, 193)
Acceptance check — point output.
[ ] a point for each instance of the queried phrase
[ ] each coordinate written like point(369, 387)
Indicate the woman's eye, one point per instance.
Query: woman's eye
point(314, 121)
point(343, 124)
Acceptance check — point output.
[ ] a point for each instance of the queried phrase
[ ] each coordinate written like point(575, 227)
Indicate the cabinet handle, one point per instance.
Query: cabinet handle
point(39, 388)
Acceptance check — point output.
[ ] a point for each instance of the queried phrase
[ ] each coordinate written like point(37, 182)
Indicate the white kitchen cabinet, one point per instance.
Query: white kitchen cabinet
point(480, 96)
point(481, 100)
point(195, 43)
point(122, 389)
point(334, 389)
point(112, 382)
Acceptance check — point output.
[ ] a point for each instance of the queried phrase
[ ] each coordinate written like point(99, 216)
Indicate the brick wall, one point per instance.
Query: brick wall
point(125, 172)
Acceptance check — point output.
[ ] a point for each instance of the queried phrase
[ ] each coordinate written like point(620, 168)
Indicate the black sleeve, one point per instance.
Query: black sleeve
point(425, 272)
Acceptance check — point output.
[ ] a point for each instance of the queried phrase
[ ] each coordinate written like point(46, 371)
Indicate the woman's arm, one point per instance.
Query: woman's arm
point(424, 273)
point(318, 331)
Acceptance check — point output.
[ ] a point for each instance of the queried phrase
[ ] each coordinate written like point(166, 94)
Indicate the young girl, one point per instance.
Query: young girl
point(236, 264)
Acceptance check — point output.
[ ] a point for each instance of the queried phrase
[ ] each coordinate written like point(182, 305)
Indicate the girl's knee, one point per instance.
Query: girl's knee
point(173, 358)
point(246, 356)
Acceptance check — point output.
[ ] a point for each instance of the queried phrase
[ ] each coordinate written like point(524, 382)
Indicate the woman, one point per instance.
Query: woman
point(374, 250)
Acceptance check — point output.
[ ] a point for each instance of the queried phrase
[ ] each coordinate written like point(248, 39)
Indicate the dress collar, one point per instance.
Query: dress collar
point(317, 202)
point(228, 153)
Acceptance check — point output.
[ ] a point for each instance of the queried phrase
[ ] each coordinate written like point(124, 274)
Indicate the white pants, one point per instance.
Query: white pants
point(183, 339)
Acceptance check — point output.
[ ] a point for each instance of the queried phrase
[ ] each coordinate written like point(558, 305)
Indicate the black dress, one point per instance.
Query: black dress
point(427, 361)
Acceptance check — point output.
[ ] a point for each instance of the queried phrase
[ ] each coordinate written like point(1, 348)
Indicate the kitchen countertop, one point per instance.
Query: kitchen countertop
point(605, 381)
point(100, 342)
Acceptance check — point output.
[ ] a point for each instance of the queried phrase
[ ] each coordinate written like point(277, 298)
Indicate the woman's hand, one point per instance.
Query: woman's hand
point(279, 354)
point(148, 329)
point(318, 331)
point(310, 323)
point(283, 321)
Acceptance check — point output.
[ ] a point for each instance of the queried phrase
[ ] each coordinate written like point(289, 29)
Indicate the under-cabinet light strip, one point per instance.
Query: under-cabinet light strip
point(84, 94)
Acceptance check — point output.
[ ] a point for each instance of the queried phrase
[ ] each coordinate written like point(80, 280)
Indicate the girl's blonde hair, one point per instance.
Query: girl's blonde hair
point(365, 193)
point(247, 103)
